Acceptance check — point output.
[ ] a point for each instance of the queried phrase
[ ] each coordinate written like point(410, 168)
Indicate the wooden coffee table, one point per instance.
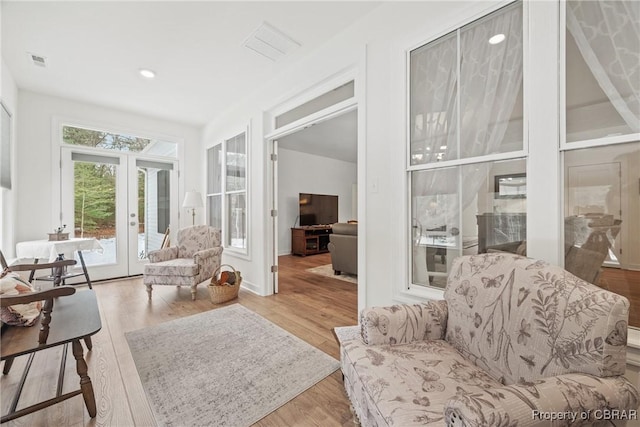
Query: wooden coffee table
point(74, 318)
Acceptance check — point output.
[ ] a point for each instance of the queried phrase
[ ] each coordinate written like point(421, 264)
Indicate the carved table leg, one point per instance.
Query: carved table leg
point(85, 381)
point(149, 290)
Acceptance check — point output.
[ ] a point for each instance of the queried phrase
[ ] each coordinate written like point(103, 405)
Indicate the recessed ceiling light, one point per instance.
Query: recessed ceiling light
point(148, 74)
point(498, 38)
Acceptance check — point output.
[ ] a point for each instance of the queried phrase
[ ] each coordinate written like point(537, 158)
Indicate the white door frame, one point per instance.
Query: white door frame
point(272, 143)
point(127, 261)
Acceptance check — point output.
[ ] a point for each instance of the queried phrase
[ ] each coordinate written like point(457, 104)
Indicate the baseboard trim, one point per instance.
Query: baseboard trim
point(251, 287)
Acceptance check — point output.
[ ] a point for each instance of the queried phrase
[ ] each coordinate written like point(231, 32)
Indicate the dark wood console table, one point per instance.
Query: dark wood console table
point(75, 317)
point(310, 240)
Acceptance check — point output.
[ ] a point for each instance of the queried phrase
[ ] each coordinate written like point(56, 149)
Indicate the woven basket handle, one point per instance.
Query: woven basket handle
point(218, 270)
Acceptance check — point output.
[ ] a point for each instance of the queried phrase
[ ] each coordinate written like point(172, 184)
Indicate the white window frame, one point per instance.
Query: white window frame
point(410, 291)
point(225, 220)
point(633, 340)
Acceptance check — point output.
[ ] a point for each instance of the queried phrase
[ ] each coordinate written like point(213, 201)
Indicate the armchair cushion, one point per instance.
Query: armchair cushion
point(173, 267)
point(399, 324)
point(18, 314)
point(197, 238)
point(409, 384)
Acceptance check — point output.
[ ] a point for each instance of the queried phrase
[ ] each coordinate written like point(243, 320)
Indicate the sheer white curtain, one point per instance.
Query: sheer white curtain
point(490, 80)
point(433, 101)
point(607, 34)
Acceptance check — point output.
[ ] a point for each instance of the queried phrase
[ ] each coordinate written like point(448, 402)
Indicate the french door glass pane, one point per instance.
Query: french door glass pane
point(237, 215)
point(435, 210)
point(95, 208)
point(602, 69)
point(154, 201)
point(214, 207)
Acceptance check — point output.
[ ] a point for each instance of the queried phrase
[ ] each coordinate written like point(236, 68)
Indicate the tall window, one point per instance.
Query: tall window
point(602, 146)
point(227, 190)
point(465, 165)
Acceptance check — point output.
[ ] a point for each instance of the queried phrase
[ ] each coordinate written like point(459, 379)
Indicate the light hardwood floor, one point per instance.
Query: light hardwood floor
point(308, 306)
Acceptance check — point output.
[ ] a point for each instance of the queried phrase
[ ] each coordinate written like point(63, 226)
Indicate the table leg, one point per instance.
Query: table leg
point(33, 272)
point(84, 269)
point(7, 365)
point(85, 381)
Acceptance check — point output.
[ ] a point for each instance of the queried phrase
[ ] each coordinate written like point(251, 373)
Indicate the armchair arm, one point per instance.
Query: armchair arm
point(399, 324)
point(569, 399)
point(59, 291)
point(208, 260)
point(163, 254)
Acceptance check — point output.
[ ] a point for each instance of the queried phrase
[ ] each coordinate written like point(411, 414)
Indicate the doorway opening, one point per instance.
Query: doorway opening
point(318, 161)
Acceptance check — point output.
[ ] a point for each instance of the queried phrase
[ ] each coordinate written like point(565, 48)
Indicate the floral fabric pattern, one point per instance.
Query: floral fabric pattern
point(18, 314)
point(514, 337)
point(533, 320)
point(399, 324)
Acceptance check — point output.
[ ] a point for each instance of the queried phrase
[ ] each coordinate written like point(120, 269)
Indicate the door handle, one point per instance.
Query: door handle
point(132, 223)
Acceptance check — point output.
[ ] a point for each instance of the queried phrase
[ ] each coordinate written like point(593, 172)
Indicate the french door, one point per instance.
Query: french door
point(126, 201)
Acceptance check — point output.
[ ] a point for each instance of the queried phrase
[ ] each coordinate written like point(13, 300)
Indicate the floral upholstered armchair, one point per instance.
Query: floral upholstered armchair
point(515, 342)
point(193, 260)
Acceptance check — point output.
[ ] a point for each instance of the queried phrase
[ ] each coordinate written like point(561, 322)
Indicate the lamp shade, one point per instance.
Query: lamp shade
point(192, 199)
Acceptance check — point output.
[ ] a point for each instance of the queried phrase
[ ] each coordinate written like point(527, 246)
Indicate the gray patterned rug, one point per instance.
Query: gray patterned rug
point(327, 271)
point(224, 367)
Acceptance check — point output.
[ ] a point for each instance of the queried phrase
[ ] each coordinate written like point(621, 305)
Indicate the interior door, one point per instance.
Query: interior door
point(125, 201)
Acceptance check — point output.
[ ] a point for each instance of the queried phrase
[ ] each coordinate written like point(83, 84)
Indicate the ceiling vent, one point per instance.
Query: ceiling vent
point(38, 60)
point(270, 42)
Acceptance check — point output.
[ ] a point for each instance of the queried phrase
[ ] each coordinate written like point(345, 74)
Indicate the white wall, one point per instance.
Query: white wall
point(37, 144)
point(376, 47)
point(305, 173)
point(9, 96)
point(372, 47)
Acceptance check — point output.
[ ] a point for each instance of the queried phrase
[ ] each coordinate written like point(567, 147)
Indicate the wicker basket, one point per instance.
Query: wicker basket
point(223, 291)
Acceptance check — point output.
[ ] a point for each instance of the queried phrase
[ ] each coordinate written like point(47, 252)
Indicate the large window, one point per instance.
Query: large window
point(227, 190)
point(602, 152)
point(465, 165)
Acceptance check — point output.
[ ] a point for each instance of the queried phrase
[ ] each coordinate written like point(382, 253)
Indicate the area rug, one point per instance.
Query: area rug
point(327, 270)
point(224, 367)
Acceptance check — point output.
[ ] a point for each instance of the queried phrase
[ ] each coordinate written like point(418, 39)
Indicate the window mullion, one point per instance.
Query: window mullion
point(458, 96)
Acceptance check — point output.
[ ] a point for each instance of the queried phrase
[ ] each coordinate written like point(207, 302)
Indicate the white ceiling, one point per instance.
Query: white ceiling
point(94, 50)
point(335, 138)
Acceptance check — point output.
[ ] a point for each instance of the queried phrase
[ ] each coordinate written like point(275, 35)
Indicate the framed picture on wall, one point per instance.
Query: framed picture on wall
point(513, 186)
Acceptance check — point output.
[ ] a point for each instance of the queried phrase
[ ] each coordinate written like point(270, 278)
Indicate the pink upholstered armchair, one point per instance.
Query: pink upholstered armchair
point(193, 260)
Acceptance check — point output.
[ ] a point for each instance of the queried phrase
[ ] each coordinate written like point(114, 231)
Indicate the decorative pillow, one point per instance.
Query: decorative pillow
point(19, 314)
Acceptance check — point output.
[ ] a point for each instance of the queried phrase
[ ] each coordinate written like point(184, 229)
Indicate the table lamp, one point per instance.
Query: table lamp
point(192, 200)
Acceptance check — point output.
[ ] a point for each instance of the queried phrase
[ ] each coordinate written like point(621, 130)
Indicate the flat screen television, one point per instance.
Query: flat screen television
point(318, 209)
